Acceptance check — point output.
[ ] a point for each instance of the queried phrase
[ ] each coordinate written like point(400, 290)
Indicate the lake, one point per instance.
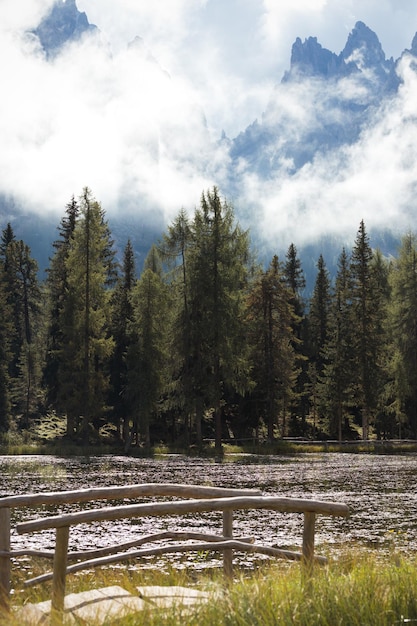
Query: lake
point(381, 491)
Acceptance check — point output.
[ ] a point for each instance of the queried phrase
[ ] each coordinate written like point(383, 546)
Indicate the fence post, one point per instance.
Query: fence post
point(308, 537)
point(60, 572)
point(5, 563)
point(228, 554)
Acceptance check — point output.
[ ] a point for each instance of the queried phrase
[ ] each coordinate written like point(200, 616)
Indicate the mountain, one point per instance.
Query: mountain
point(320, 109)
point(343, 90)
point(63, 25)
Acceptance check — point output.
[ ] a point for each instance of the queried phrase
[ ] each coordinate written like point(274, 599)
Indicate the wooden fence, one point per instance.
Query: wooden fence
point(201, 499)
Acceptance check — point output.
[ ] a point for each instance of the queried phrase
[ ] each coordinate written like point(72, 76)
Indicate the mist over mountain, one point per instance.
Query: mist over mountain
point(64, 24)
point(335, 143)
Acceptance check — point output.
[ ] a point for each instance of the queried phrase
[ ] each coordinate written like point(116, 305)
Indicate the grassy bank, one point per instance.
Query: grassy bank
point(61, 447)
point(358, 591)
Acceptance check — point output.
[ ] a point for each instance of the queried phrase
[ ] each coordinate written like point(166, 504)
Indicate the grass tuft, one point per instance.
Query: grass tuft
point(364, 590)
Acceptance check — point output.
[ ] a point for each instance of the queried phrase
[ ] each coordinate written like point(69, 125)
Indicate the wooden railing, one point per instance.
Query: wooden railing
point(202, 499)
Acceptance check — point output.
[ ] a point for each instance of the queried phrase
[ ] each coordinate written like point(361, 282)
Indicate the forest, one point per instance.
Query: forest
point(206, 343)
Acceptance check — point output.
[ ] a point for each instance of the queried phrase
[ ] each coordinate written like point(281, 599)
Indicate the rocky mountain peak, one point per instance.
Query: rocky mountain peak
point(364, 49)
point(64, 23)
point(310, 58)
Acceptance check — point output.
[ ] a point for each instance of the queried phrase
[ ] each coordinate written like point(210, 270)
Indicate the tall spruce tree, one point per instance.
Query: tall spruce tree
point(87, 344)
point(335, 383)
point(364, 319)
point(403, 329)
point(295, 280)
point(5, 355)
point(218, 270)
point(23, 298)
point(57, 291)
point(147, 352)
point(175, 246)
point(318, 315)
point(270, 328)
point(122, 319)
point(317, 333)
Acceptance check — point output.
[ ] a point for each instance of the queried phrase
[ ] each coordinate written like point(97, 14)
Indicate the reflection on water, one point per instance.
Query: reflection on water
point(381, 492)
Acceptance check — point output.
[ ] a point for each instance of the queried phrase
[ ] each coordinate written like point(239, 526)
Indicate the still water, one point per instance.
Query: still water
point(381, 492)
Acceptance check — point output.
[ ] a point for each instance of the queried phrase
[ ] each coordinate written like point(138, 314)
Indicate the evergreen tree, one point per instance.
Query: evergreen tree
point(335, 395)
point(23, 299)
point(147, 352)
point(270, 316)
point(57, 291)
point(175, 248)
point(218, 270)
point(317, 332)
point(318, 316)
point(366, 336)
point(122, 318)
point(295, 280)
point(87, 345)
point(403, 328)
point(6, 238)
point(5, 355)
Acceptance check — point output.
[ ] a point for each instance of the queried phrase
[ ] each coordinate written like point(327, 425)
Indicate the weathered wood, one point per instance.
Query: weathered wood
point(121, 547)
point(5, 563)
point(59, 574)
point(125, 492)
point(285, 505)
point(228, 554)
point(308, 537)
point(202, 499)
point(220, 546)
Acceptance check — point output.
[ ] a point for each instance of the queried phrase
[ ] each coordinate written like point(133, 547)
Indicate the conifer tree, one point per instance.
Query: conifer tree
point(295, 280)
point(122, 318)
point(403, 329)
point(57, 291)
point(218, 268)
point(5, 355)
point(274, 371)
point(335, 388)
point(318, 316)
point(87, 345)
point(23, 298)
point(175, 246)
point(366, 336)
point(147, 353)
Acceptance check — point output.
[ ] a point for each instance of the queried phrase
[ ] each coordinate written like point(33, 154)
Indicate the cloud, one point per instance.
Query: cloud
point(141, 126)
point(374, 179)
point(119, 124)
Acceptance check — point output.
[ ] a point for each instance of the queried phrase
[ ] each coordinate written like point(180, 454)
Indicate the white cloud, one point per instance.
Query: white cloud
point(144, 136)
point(375, 179)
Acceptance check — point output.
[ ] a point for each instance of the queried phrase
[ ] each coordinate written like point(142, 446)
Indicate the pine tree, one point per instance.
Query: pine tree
point(87, 345)
point(122, 318)
point(318, 316)
point(317, 332)
point(57, 290)
point(5, 355)
point(175, 248)
point(335, 384)
point(365, 315)
point(218, 267)
point(403, 328)
point(295, 280)
point(147, 354)
point(23, 298)
point(270, 316)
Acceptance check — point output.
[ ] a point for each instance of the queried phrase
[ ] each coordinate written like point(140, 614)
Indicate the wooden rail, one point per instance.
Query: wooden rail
point(202, 499)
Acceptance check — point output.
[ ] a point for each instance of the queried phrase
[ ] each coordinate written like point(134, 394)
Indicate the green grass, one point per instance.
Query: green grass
point(364, 590)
